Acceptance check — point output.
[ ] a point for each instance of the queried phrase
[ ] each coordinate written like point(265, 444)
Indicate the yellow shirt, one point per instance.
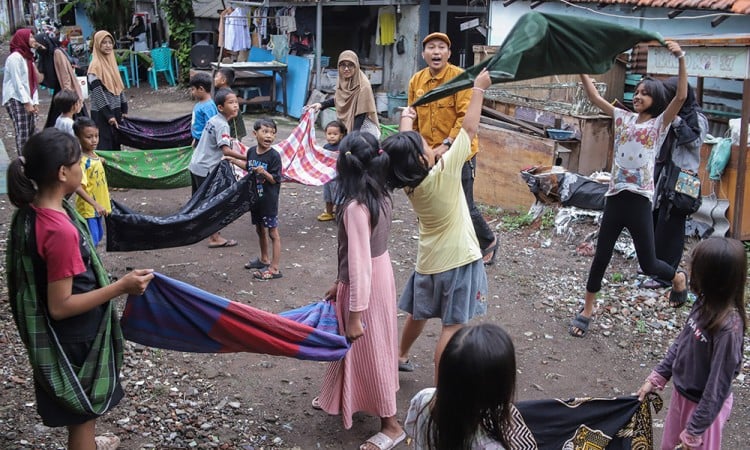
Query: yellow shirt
point(446, 235)
point(442, 118)
point(94, 182)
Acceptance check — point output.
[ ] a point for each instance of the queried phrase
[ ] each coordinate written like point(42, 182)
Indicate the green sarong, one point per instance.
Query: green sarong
point(147, 169)
point(88, 390)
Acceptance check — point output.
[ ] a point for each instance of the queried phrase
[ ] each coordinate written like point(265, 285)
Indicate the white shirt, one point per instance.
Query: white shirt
point(16, 81)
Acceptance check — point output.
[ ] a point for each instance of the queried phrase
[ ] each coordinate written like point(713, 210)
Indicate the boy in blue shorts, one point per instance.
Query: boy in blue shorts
point(205, 108)
point(215, 144)
point(265, 164)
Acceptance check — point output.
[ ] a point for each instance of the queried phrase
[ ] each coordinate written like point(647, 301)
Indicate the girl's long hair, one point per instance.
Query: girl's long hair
point(408, 168)
point(718, 272)
point(362, 167)
point(37, 169)
point(655, 89)
point(475, 389)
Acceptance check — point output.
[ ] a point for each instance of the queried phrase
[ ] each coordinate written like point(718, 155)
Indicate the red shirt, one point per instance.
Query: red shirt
point(57, 241)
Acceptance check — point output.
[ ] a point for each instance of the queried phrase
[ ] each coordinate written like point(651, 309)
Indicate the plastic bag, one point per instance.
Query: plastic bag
point(719, 158)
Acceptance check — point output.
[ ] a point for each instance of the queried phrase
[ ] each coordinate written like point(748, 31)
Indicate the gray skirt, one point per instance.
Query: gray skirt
point(455, 296)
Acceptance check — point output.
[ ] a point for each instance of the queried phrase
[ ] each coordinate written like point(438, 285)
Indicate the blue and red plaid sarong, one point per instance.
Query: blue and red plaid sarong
point(177, 316)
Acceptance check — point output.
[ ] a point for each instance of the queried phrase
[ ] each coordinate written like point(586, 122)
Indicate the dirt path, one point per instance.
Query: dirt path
point(249, 401)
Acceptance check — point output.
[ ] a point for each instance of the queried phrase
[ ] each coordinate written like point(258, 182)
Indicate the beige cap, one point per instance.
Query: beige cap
point(442, 36)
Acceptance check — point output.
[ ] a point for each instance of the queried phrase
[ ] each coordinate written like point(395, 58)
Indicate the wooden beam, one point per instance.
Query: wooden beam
point(717, 21)
point(536, 3)
point(507, 3)
point(674, 13)
point(739, 193)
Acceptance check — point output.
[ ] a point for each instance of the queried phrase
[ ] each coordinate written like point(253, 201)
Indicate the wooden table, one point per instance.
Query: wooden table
point(254, 71)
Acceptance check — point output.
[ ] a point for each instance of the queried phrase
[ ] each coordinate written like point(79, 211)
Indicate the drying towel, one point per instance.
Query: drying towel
point(547, 44)
point(147, 169)
point(177, 316)
point(386, 34)
point(302, 159)
point(147, 134)
point(219, 201)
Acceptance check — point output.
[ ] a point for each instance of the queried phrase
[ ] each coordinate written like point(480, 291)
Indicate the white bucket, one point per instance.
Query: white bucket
point(381, 101)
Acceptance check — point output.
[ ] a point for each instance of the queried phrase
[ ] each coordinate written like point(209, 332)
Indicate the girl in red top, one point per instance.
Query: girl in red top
point(60, 294)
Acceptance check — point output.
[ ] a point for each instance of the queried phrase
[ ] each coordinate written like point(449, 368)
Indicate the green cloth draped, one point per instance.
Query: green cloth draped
point(147, 169)
point(85, 391)
point(547, 44)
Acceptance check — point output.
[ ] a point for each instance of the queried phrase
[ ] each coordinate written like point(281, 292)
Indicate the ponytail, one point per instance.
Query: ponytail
point(21, 190)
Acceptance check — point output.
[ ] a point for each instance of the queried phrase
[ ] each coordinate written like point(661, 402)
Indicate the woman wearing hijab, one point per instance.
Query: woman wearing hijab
point(353, 98)
point(58, 73)
point(20, 83)
point(106, 91)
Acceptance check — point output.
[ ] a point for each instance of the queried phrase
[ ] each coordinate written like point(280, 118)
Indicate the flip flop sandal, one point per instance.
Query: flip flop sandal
point(677, 299)
point(406, 366)
point(227, 243)
point(256, 264)
point(316, 404)
point(266, 275)
point(382, 441)
point(579, 326)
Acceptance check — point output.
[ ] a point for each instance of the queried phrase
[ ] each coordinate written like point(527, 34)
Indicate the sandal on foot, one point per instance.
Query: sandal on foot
point(382, 441)
point(266, 275)
point(406, 366)
point(316, 404)
point(579, 326)
point(678, 298)
point(256, 264)
point(325, 217)
point(107, 442)
point(227, 243)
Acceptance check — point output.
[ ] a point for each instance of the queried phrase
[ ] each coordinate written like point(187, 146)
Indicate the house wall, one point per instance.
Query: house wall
point(503, 18)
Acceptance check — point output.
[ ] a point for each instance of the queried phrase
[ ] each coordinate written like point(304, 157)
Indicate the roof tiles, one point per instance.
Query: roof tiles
point(728, 6)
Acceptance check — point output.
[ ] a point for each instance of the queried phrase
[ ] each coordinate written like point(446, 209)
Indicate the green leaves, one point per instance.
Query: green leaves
point(181, 20)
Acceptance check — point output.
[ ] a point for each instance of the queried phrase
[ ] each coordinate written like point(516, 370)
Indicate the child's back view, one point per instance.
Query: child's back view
point(471, 407)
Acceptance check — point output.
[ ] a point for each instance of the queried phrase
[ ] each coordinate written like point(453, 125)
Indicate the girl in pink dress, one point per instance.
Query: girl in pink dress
point(366, 379)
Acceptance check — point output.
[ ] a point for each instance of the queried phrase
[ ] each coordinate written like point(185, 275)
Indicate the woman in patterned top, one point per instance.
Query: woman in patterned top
point(108, 102)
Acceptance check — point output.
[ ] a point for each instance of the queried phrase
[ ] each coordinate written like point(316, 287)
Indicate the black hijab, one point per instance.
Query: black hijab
point(688, 113)
point(46, 61)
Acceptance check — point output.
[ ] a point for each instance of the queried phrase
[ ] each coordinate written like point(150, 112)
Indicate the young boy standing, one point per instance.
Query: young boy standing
point(265, 164)
point(68, 102)
point(205, 108)
point(214, 144)
point(223, 79)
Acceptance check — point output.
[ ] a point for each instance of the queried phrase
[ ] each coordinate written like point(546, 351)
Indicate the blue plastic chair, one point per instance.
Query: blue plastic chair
point(161, 58)
point(125, 74)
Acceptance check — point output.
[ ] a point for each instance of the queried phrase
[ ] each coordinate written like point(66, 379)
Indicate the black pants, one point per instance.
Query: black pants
point(483, 231)
point(632, 211)
point(669, 236)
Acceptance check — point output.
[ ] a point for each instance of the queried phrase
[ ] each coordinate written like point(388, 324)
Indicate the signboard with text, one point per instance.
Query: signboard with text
point(717, 62)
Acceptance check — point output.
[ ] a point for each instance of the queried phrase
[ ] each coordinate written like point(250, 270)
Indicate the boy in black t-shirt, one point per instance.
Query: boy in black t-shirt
point(265, 164)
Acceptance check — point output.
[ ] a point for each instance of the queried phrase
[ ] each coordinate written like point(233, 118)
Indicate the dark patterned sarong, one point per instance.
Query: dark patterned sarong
point(147, 134)
point(219, 201)
point(621, 423)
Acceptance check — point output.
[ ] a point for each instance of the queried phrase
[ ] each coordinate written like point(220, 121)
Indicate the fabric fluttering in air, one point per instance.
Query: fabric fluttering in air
point(548, 44)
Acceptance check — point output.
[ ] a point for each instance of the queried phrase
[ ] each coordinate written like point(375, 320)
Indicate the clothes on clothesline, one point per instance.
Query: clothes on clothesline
point(236, 31)
point(386, 30)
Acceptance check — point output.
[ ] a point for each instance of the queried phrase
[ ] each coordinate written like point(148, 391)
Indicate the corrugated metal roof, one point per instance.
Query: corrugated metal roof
point(729, 6)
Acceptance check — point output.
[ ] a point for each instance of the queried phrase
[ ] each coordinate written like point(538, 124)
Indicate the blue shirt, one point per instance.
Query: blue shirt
point(202, 111)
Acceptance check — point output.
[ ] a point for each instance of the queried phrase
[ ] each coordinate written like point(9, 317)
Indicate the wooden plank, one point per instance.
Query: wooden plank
point(506, 118)
point(726, 188)
point(502, 155)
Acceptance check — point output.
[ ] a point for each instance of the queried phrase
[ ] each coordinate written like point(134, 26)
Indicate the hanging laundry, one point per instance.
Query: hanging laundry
point(236, 31)
point(386, 34)
point(279, 46)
